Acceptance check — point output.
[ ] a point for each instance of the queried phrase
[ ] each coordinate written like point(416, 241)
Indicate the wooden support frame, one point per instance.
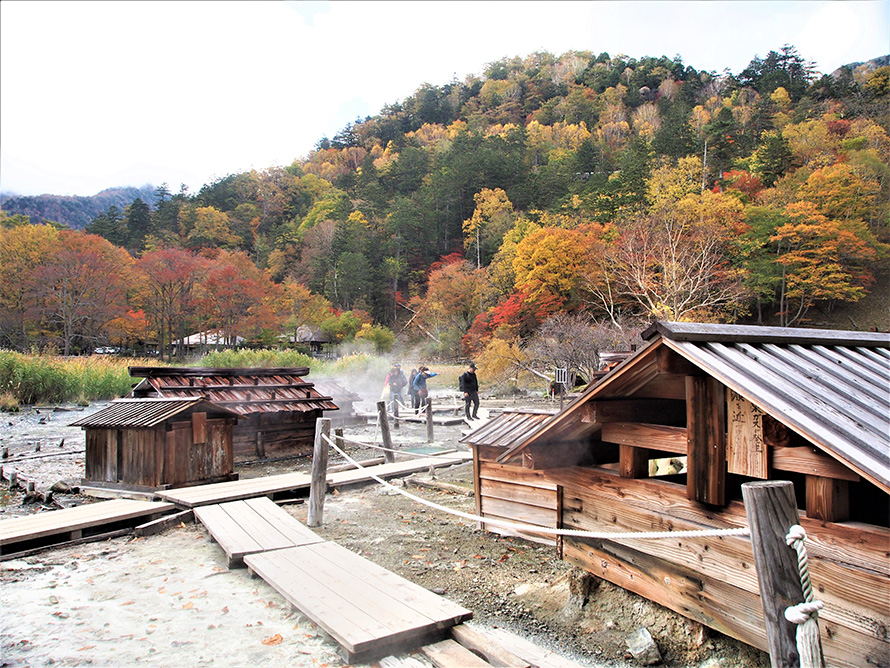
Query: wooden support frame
point(828, 499)
point(807, 459)
point(706, 440)
point(642, 435)
point(633, 462)
point(630, 410)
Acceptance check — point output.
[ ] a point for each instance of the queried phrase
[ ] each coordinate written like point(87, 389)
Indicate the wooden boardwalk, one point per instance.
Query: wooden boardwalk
point(368, 610)
point(23, 533)
point(192, 497)
point(253, 525)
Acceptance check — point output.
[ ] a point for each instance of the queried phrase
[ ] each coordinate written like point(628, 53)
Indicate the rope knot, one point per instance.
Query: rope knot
point(800, 613)
point(795, 533)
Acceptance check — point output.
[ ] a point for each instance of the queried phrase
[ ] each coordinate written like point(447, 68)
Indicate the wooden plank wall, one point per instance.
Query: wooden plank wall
point(186, 461)
point(713, 580)
point(158, 456)
point(518, 495)
point(271, 435)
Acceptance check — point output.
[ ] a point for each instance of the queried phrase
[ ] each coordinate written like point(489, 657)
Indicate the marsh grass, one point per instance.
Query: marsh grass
point(44, 379)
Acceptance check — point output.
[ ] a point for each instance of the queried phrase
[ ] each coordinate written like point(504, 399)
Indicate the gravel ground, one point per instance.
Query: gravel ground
point(170, 600)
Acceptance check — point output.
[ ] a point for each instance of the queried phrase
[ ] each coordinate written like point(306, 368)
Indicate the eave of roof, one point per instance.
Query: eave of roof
point(831, 387)
point(146, 413)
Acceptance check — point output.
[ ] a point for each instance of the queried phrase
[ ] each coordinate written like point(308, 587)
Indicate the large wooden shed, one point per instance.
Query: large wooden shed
point(735, 404)
point(277, 409)
point(147, 444)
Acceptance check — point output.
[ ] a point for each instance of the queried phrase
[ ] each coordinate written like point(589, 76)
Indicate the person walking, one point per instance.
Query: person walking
point(420, 384)
point(469, 385)
point(415, 400)
point(395, 380)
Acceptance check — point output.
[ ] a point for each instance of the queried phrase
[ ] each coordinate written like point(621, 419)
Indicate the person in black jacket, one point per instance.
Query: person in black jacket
point(469, 385)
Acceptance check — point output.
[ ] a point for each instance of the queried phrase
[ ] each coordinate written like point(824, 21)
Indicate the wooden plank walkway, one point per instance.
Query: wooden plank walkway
point(253, 525)
point(201, 495)
point(57, 526)
point(368, 610)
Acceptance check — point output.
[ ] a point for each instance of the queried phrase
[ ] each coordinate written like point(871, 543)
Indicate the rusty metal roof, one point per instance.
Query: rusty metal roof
point(244, 391)
point(506, 428)
point(144, 413)
point(831, 387)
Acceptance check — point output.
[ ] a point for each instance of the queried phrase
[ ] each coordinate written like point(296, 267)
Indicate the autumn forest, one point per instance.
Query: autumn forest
point(464, 219)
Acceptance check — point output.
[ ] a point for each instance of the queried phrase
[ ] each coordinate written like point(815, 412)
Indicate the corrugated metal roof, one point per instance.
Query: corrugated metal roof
point(506, 428)
point(244, 391)
point(835, 396)
point(831, 387)
point(144, 413)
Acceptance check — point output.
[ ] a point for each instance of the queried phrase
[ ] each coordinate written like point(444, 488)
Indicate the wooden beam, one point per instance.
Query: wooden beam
point(642, 435)
point(671, 362)
point(811, 461)
point(487, 647)
point(631, 410)
point(706, 440)
point(827, 499)
point(449, 654)
point(633, 462)
point(556, 455)
point(199, 372)
point(713, 333)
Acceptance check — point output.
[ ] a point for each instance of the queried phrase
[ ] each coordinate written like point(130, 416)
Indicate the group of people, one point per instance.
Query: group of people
point(418, 392)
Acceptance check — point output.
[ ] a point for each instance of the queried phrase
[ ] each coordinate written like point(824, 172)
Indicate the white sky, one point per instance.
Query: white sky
point(101, 94)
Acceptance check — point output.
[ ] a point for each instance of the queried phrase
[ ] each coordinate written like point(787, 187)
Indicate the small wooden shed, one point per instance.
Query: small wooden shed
point(735, 404)
point(148, 444)
point(277, 409)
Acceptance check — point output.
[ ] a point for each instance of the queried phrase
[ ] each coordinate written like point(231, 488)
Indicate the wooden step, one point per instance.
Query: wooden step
point(368, 610)
point(253, 525)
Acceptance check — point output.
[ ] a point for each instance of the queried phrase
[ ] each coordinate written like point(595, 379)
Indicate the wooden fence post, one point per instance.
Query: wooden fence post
point(383, 419)
point(338, 438)
point(318, 484)
point(429, 420)
point(772, 510)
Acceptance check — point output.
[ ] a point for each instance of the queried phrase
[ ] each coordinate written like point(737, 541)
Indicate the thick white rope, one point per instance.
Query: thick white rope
point(805, 614)
point(535, 528)
point(400, 452)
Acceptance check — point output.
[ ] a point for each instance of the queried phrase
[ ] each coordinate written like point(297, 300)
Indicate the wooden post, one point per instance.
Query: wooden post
point(633, 462)
point(772, 510)
point(318, 485)
point(388, 456)
point(706, 440)
point(338, 439)
point(429, 420)
point(260, 445)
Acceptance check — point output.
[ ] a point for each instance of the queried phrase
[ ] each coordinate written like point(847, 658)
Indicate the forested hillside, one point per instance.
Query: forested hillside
point(74, 211)
point(600, 189)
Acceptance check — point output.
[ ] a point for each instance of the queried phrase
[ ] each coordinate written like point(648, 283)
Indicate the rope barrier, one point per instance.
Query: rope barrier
point(535, 528)
point(805, 614)
point(374, 446)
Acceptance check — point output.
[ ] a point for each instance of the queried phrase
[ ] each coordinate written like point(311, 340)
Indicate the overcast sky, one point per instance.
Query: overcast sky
point(101, 94)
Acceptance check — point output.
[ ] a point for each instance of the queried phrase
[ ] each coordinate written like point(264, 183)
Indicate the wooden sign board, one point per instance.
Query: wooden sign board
point(745, 450)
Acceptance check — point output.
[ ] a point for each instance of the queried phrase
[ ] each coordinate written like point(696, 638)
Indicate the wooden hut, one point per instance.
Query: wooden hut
point(147, 444)
point(277, 409)
point(735, 404)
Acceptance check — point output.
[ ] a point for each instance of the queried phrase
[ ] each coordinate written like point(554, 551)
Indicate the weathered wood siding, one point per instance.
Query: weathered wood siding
point(274, 435)
point(163, 455)
point(518, 495)
point(713, 580)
